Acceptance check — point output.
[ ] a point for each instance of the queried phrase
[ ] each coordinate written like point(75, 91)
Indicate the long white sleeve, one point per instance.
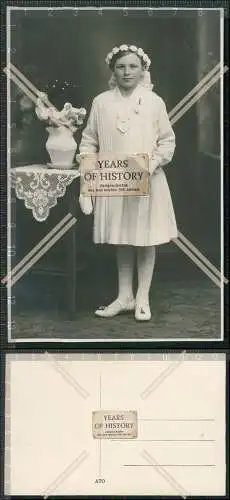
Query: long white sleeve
point(165, 147)
point(89, 144)
point(89, 140)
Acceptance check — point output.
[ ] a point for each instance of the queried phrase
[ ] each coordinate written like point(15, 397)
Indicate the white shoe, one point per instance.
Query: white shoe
point(142, 312)
point(115, 308)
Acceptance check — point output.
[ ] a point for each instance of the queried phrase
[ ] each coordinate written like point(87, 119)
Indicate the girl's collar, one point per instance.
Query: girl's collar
point(137, 92)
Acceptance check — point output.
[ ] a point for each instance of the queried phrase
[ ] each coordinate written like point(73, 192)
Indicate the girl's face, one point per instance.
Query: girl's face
point(128, 71)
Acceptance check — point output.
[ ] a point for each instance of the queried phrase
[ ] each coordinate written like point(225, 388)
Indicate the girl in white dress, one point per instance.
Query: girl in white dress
point(131, 118)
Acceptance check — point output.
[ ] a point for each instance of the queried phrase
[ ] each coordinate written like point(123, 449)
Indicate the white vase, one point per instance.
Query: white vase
point(61, 146)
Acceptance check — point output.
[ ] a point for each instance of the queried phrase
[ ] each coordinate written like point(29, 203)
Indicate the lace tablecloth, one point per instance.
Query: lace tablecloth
point(40, 187)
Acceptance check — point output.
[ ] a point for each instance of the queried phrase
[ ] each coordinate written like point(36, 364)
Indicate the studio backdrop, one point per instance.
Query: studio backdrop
point(183, 48)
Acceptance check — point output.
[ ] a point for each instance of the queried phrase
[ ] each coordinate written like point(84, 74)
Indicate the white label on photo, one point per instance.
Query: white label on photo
point(114, 175)
point(114, 424)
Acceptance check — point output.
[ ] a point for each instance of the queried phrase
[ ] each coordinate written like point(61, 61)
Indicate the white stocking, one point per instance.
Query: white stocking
point(125, 265)
point(145, 265)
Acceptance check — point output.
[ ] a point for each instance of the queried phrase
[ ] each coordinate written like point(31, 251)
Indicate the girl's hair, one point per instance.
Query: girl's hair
point(121, 54)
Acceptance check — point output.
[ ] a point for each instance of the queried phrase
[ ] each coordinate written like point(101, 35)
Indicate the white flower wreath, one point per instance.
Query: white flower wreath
point(132, 48)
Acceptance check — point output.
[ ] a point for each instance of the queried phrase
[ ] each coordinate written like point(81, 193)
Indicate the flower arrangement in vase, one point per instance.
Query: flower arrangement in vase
point(61, 125)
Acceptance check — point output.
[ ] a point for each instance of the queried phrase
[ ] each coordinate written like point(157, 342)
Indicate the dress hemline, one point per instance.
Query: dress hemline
point(154, 243)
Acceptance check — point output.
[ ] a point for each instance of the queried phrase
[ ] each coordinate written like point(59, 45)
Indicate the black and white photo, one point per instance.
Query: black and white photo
point(139, 92)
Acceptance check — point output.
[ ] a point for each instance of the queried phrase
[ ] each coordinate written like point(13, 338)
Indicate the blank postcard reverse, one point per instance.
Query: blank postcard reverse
point(82, 424)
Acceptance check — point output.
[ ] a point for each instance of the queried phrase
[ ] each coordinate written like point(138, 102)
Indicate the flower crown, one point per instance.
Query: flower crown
point(132, 48)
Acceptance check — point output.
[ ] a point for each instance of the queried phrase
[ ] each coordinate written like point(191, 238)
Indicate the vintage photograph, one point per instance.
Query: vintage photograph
point(115, 174)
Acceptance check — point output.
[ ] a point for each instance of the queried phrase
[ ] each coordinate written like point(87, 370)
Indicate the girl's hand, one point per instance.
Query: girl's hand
point(86, 204)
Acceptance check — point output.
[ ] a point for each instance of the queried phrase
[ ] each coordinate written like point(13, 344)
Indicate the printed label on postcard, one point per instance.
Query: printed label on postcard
point(106, 174)
point(114, 424)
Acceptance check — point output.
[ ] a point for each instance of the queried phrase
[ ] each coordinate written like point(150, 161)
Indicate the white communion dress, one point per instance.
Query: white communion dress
point(135, 124)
